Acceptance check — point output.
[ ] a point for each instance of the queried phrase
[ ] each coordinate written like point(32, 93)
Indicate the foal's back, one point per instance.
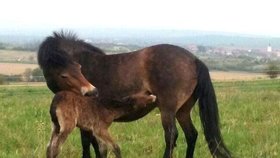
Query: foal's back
point(70, 110)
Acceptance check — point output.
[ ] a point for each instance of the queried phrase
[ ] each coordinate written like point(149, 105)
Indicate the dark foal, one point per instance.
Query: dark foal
point(69, 110)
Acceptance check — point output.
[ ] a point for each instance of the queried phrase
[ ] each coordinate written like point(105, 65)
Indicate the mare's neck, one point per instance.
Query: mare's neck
point(92, 64)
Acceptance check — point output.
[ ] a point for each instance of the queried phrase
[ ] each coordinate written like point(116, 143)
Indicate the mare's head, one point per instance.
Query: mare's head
point(60, 71)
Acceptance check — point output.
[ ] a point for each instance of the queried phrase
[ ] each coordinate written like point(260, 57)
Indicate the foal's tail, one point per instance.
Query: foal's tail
point(208, 111)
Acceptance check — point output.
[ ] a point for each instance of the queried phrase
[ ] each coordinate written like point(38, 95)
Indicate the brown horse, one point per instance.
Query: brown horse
point(173, 74)
point(69, 110)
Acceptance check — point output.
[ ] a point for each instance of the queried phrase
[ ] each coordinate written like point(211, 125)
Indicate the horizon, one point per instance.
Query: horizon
point(85, 31)
point(146, 37)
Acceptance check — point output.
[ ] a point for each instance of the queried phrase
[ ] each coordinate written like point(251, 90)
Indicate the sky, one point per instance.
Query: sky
point(260, 17)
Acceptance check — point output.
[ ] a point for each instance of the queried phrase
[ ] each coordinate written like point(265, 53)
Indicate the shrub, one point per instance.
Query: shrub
point(273, 70)
point(2, 80)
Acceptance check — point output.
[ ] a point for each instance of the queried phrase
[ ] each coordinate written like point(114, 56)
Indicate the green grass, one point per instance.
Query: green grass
point(249, 112)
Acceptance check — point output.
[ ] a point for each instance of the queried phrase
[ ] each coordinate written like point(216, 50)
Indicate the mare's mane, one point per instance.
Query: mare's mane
point(70, 39)
point(58, 50)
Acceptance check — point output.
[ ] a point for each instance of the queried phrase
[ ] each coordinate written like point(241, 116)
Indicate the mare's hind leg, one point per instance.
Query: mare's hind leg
point(58, 137)
point(87, 139)
point(184, 119)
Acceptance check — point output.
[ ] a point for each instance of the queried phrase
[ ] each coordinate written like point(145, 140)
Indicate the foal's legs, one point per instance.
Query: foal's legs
point(184, 119)
point(105, 139)
point(58, 137)
point(87, 139)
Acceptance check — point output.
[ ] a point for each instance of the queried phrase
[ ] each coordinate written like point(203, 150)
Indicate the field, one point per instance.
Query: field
point(19, 68)
point(249, 112)
point(12, 56)
point(14, 62)
point(15, 68)
point(236, 76)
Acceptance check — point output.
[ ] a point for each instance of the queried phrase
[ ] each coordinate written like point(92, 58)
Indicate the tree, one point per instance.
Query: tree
point(2, 79)
point(38, 75)
point(35, 75)
point(26, 76)
point(201, 49)
point(273, 70)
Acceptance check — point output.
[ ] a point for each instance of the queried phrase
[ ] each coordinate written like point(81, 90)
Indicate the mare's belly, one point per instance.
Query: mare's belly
point(136, 114)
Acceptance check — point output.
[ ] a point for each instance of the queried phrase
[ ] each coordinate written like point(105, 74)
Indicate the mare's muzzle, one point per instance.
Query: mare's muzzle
point(89, 90)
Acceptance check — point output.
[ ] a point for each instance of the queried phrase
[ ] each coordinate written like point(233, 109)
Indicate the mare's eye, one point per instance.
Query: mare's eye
point(63, 76)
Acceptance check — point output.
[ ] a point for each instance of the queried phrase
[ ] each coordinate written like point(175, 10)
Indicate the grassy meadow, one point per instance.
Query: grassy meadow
point(249, 112)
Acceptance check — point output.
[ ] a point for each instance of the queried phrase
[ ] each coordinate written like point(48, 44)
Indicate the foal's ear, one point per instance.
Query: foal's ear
point(127, 100)
point(152, 98)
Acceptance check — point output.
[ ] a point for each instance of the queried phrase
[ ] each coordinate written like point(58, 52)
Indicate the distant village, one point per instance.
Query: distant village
point(259, 54)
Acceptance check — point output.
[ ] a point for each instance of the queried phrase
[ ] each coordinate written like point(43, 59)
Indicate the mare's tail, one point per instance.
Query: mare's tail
point(208, 111)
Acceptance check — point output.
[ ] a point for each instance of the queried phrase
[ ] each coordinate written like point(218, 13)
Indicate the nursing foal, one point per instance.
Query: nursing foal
point(69, 110)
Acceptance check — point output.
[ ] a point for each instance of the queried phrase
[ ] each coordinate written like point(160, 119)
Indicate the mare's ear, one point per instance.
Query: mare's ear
point(64, 75)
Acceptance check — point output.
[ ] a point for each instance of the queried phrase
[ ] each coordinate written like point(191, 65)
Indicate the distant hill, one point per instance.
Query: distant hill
point(144, 37)
point(181, 37)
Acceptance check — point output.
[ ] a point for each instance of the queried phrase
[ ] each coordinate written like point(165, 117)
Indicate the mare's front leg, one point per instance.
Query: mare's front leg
point(87, 139)
point(170, 132)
